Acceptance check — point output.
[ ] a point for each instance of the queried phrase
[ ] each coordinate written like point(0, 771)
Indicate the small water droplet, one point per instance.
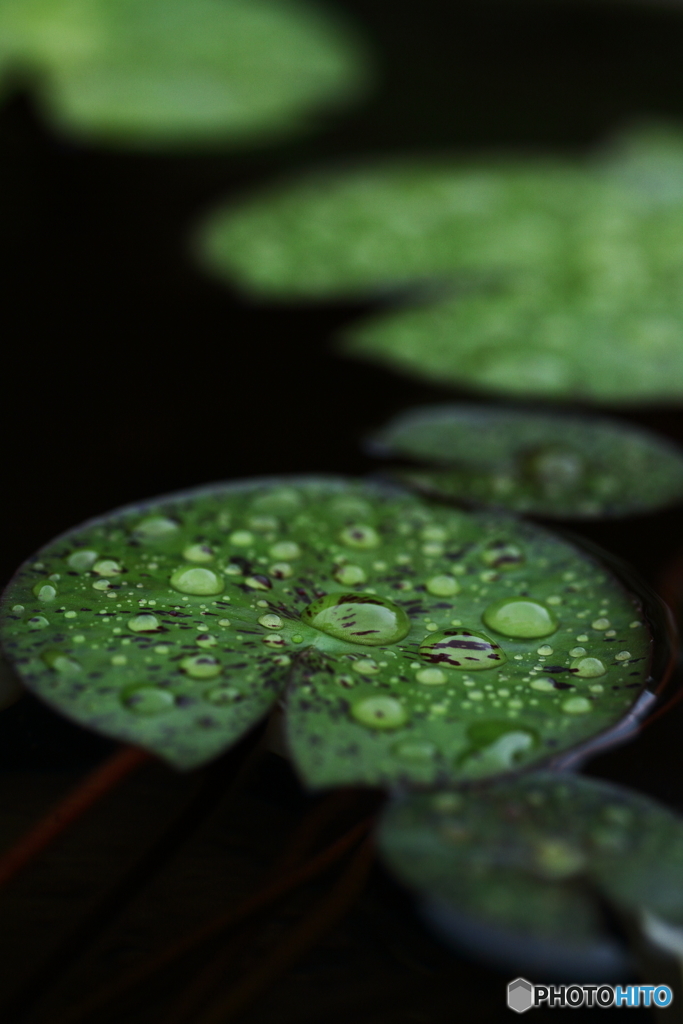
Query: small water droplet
point(553, 599)
point(433, 549)
point(201, 666)
point(543, 685)
point(557, 859)
point(263, 524)
point(223, 694)
point(442, 586)
point(576, 706)
point(434, 532)
point(379, 713)
point(601, 623)
point(623, 656)
point(545, 651)
point(462, 649)
point(82, 561)
point(258, 582)
point(576, 652)
point(501, 554)
point(611, 632)
point(282, 660)
point(70, 615)
point(346, 681)
point(520, 617)
point(206, 640)
point(144, 623)
point(281, 570)
point(101, 585)
point(349, 575)
point(271, 621)
point(59, 662)
point(297, 639)
point(359, 536)
point(634, 625)
point(224, 622)
point(38, 622)
point(45, 591)
point(588, 668)
point(241, 538)
point(198, 553)
point(366, 667)
point(155, 528)
point(200, 582)
point(119, 659)
point(414, 750)
point(358, 618)
point(431, 676)
point(233, 570)
point(582, 637)
point(273, 640)
point(107, 567)
point(285, 551)
point(148, 700)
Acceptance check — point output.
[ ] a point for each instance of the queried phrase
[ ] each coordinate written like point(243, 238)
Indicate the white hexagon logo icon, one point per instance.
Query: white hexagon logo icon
point(520, 995)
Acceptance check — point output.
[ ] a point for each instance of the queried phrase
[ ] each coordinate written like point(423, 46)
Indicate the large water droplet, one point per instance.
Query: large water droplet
point(379, 712)
point(462, 649)
point(359, 618)
point(144, 623)
point(155, 528)
point(359, 536)
point(148, 700)
point(271, 621)
point(201, 582)
point(588, 668)
point(520, 617)
point(201, 666)
point(45, 591)
point(38, 622)
point(82, 561)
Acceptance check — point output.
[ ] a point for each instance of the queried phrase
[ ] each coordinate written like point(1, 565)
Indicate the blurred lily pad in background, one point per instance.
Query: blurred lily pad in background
point(527, 866)
point(556, 465)
point(557, 278)
point(415, 642)
point(155, 73)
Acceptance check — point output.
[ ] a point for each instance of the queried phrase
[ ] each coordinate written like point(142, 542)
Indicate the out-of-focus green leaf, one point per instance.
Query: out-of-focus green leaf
point(551, 465)
point(152, 73)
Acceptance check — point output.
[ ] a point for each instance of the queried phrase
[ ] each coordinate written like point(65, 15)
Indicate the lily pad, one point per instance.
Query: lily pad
point(556, 465)
point(178, 623)
point(558, 278)
point(531, 859)
point(162, 72)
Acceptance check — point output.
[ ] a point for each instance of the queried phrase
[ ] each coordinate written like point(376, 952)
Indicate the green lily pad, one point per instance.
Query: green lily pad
point(558, 279)
point(528, 857)
point(177, 624)
point(549, 465)
point(158, 72)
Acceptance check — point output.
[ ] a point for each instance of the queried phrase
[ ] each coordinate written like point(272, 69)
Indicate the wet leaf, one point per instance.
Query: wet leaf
point(176, 624)
point(550, 465)
point(154, 73)
point(533, 856)
point(557, 279)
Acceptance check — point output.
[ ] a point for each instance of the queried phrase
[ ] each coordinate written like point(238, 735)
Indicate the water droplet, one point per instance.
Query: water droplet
point(358, 618)
point(82, 561)
point(70, 615)
point(233, 570)
point(273, 640)
point(271, 621)
point(155, 528)
point(223, 694)
point(442, 586)
point(414, 750)
point(224, 622)
point(281, 570)
point(462, 649)
point(144, 623)
point(520, 617)
point(576, 706)
point(600, 623)
point(201, 666)
point(545, 651)
point(241, 538)
point(297, 639)
point(107, 567)
point(206, 640)
point(346, 681)
point(622, 656)
point(38, 622)
point(59, 662)
point(263, 524)
point(588, 668)
point(101, 585)
point(500, 554)
point(576, 652)
point(557, 859)
point(45, 591)
point(349, 575)
point(433, 549)
point(258, 582)
point(366, 667)
point(582, 637)
point(148, 700)
point(282, 660)
point(359, 536)
point(119, 659)
point(198, 553)
point(200, 582)
point(285, 551)
point(554, 599)
point(543, 685)
point(434, 532)
point(431, 676)
point(379, 713)
point(634, 625)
